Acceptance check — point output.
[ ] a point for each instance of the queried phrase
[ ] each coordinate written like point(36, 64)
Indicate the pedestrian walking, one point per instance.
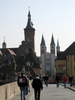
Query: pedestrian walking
point(22, 83)
point(57, 80)
point(37, 86)
point(65, 80)
point(27, 87)
point(30, 77)
point(71, 80)
point(46, 80)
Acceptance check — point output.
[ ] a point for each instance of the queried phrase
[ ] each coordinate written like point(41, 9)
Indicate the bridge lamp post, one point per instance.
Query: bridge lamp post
point(28, 67)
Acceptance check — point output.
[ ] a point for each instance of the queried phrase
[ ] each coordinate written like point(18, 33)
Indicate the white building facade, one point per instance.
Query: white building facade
point(48, 63)
point(48, 59)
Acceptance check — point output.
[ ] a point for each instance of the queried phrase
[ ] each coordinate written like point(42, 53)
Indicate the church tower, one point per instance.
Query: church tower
point(52, 56)
point(58, 47)
point(29, 38)
point(29, 33)
point(52, 45)
point(43, 55)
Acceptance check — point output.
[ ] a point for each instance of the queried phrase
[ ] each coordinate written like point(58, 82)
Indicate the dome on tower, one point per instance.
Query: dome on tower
point(29, 23)
point(4, 44)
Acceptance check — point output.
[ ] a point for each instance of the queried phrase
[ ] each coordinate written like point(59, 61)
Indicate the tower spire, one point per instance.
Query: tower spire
point(52, 40)
point(42, 41)
point(57, 43)
point(58, 47)
point(29, 23)
point(29, 13)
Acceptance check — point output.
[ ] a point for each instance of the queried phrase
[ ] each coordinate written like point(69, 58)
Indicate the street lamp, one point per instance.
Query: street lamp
point(28, 67)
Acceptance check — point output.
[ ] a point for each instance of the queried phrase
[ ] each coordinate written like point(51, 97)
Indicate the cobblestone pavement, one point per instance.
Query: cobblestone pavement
point(53, 93)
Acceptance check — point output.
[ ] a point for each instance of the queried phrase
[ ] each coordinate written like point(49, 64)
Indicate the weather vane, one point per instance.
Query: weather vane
point(4, 38)
point(29, 7)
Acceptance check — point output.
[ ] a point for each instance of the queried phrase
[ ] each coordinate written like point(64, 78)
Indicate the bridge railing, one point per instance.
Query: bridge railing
point(7, 91)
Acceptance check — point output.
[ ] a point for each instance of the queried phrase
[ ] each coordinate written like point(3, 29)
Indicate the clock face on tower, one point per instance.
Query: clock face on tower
point(52, 47)
point(29, 40)
point(42, 47)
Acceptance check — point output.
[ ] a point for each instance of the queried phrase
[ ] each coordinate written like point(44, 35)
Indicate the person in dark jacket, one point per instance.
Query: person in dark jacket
point(46, 80)
point(71, 80)
point(37, 86)
point(57, 79)
point(27, 88)
point(22, 83)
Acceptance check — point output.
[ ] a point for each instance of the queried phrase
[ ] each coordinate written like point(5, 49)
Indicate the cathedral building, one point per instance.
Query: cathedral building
point(48, 59)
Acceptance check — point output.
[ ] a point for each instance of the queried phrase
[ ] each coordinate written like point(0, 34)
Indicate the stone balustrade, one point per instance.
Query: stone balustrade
point(9, 90)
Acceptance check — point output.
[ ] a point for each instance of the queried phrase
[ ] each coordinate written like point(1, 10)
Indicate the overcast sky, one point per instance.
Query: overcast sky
point(48, 16)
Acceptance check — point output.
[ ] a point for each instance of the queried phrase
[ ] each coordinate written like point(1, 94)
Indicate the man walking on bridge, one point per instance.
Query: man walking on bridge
point(37, 85)
point(22, 83)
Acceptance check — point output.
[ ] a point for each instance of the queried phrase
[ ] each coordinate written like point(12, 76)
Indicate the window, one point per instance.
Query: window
point(42, 47)
point(68, 58)
point(42, 51)
point(74, 57)
point(47, 59)
point(52, 47)
point(48, 64)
